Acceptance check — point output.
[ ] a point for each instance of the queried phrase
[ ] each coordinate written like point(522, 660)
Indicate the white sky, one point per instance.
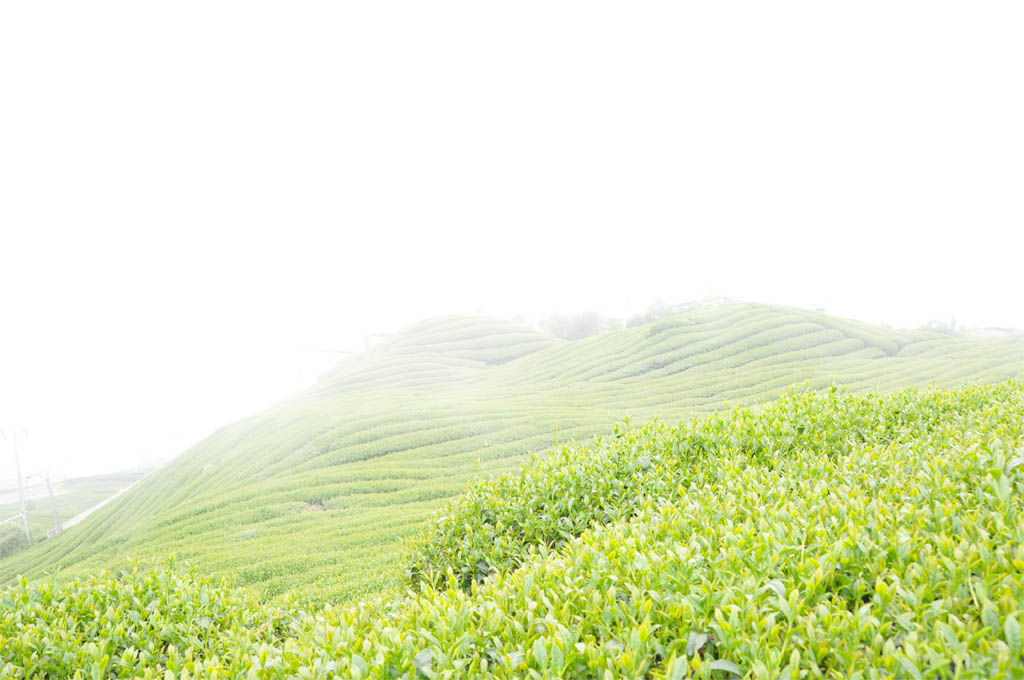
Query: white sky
point(191, 193)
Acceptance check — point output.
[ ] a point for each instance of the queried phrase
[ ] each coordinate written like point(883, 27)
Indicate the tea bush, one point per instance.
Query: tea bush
point(493, 526)
point(131, 624)
point(896, 557)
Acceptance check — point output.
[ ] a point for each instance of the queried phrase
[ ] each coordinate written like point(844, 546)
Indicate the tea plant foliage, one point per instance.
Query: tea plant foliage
point(823, 536)
point(553, 499)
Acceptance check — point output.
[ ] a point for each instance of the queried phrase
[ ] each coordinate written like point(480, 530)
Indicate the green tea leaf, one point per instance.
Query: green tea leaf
point(695, 642)
point(540, 653)
point(1012, 631)
point(723, 665)
point(423, 660)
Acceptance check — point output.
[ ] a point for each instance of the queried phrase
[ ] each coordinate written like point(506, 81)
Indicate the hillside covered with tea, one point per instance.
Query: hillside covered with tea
point(316, 494)
point(823, 535)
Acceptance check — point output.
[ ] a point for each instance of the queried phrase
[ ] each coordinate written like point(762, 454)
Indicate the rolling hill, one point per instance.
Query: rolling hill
point(823, 535)
point(315, 495)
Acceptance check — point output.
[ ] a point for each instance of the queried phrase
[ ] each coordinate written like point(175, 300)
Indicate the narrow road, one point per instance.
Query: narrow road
point(85, 513)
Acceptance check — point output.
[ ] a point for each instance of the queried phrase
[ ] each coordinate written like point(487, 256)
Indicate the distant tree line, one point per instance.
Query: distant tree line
point(948, 327)
point(12, 539)
point(657, 310)
point(576, 326)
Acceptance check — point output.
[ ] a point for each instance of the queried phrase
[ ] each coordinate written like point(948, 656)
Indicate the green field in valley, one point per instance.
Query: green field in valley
point(315, 495)
point(71, 497)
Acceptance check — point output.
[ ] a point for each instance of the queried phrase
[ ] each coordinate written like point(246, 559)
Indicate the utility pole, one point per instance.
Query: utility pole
point(21, 491)
point(53, 504)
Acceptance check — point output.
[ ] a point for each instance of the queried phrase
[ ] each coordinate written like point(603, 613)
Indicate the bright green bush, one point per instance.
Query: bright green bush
point(132, 624)
point(897, 558)
point(495, 524)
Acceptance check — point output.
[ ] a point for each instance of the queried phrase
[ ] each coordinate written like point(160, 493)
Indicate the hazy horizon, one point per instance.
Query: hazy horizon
point(193, 195)
point(287, 374)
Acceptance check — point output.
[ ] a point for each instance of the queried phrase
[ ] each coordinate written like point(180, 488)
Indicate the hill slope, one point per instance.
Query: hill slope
point(317, 492)
point(822, 536)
